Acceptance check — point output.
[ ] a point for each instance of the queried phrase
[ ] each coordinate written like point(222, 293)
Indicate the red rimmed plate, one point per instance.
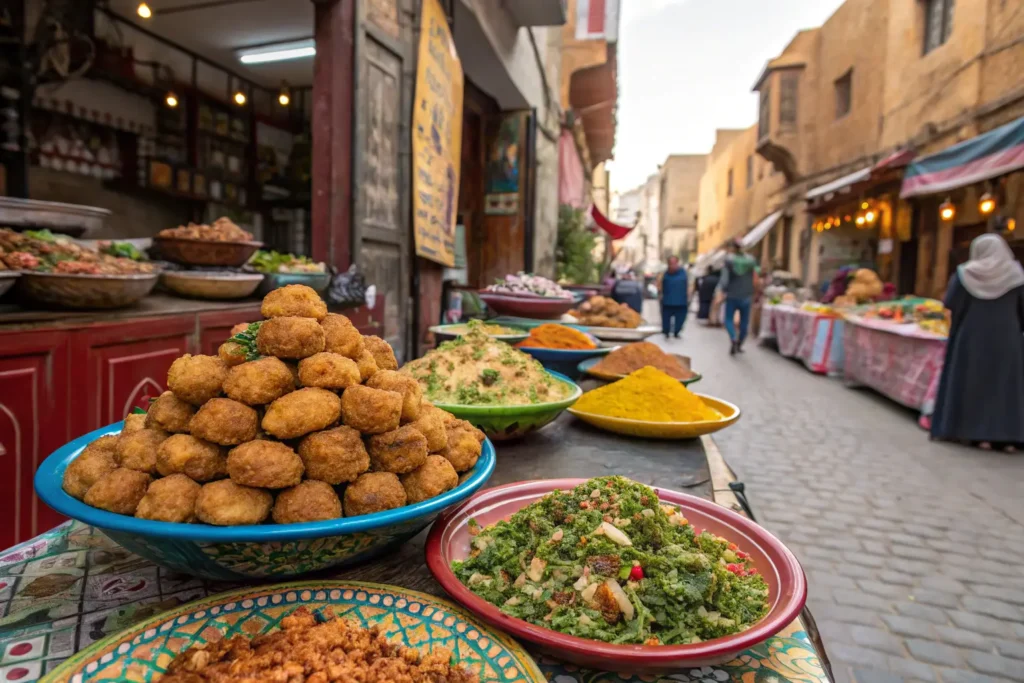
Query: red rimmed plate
point(527, 306)
point(787, 587)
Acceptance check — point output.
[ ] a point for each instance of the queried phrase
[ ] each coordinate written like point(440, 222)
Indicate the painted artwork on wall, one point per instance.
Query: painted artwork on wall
point(503, 161)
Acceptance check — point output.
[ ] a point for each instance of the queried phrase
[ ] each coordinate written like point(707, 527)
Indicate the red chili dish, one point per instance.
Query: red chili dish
point(449, 540)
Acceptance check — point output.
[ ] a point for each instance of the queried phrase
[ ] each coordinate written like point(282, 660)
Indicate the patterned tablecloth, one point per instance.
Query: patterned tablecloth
point(814, 339)
point(898, 361)
point(72, 586)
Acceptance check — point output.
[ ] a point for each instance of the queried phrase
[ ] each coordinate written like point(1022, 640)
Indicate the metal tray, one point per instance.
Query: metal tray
point(75, 220)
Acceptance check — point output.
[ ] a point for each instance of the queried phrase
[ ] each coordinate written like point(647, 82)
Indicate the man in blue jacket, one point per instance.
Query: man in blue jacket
point(737, 284)
point(673, 287)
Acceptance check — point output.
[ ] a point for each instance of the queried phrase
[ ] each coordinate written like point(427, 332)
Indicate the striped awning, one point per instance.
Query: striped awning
point(986, 156)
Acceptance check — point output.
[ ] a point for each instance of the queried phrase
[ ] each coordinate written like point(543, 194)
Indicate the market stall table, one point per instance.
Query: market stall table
point(812, 338)
point(900, 361)
point(71, 586)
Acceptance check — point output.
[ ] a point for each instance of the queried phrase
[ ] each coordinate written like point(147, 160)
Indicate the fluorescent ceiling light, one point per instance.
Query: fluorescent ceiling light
point(278, 52)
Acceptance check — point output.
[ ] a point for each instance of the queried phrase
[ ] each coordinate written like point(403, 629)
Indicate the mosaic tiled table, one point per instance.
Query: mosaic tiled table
point(72, 586)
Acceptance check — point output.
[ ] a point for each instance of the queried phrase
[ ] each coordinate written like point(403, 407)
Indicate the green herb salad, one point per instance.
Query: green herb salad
point(609, 562)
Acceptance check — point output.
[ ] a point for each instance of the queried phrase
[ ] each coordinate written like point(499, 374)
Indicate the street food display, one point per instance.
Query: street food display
point(321, 647)
point(44, 252)
point(607, 561)
point(555, 336)
point(274, 262)
point(529, 285)
point(477, 370)
point(230, 434)
point(928, 314)
point(601, 311)
point(487, 328)
point(632, 357)
point(221, 230)
point(649, 395)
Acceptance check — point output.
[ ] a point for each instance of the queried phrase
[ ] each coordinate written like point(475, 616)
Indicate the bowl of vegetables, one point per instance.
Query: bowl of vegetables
point(528, 296)
point(288, 269)
point(509, 335)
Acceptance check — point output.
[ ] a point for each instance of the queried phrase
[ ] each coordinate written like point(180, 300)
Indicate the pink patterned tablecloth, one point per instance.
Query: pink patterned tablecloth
point(897, 362)
point(814, 339)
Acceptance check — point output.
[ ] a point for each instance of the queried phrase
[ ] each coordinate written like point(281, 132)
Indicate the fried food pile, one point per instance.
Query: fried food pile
point(305, 650)
point(222, 230)
point(42, 251)
point(600, 311)
point(299, 418)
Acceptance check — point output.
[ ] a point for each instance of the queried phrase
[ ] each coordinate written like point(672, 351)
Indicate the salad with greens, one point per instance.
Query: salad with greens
point(609, 562)
point(275, 262)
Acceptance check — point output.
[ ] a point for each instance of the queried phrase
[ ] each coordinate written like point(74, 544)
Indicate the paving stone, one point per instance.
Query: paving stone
point(999, 593)
point(1010, 648)
point(960, 637)
point(909, 626)
point(926, 612)
point(996, 665)
point(910, 669)
point(962, 676)
point(876, 639)
point(885, 590)
point(864, 559)
point(979, 623)
point(875, 676)
point(943, 583)
point(897, 578)
point(844, 613)
point(856, 571)
point(855, 654)
point(937, 598)
point(935, 653)
point(858, 598)
point(830, 579)
point(992, 608)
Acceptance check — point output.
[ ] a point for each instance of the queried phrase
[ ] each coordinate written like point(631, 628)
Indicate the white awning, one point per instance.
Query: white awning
point(839, 183)
point(760, 230)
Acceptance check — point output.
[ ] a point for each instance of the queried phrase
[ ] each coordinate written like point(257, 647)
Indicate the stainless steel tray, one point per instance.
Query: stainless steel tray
point(75, 220)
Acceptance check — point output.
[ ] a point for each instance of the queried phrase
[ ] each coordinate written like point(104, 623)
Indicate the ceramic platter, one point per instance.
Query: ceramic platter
point(143, 651)
point(665, 430)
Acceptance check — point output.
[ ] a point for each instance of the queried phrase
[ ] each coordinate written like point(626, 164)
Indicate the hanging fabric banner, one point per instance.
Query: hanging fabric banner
point(436, 138)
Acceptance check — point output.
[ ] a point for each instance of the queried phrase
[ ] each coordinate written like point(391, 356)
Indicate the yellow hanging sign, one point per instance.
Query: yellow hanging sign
point(436, 138)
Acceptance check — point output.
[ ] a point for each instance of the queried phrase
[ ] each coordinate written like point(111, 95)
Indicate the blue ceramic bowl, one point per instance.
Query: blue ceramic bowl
point(564, 361)
point(256, 551)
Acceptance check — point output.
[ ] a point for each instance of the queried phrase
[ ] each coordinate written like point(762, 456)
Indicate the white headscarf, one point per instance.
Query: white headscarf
point(992, 269)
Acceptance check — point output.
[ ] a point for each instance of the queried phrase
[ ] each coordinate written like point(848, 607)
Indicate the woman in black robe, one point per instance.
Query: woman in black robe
point(981, 392)
point(706, 294)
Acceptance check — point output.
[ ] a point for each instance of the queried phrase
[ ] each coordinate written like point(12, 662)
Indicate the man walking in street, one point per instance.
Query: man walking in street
point(737, 285)
point(673, 289)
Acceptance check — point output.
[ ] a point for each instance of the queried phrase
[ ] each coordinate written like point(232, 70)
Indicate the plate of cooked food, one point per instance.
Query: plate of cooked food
point(631, 357)
point(299, 447)
point(650, 404)
point(561, 348)
point(505, 333)
point(497, 388)
point(318, 631)
point(615, 575)
point(221, 243)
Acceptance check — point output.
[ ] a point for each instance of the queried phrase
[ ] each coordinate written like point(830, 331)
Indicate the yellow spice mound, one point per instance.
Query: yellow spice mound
point(650, 395)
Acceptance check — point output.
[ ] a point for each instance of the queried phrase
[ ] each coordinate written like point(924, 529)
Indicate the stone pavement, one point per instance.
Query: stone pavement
point(912, 548)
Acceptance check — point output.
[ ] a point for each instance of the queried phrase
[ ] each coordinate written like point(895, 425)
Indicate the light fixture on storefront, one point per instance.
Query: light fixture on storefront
point(947, 210)
point(144, 11)
point(860, 221)
point(863, 205)
point(987, 204)
point(870, 217)
point(284, 98)
point(239, 98)
point(171, 100)
point(278, 52)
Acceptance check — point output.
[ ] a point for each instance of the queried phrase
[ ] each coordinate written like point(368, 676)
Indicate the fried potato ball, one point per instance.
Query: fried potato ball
point(341, 336)
point(197, 379)
point(265, 465)
point(374, 492)
point(431, 423)
point(185, 454)
point(310, 501)
point(137, 451)
point(232, 353)
point(225, 422)
point(371, 411)
point(290, 337)
point(301, 412)
point(297, 301)
point(463, 447)
point(408, 387)
point(259, 382)
point(226, 503)
point(399, 451)
point(335, 456)
point(382, 352)
point(170, 414)
point(95, 461)
point(133, 423)
point(367, 365)
point(432, 478)
point(329, 371)
point(119, 491)
point(171, 499)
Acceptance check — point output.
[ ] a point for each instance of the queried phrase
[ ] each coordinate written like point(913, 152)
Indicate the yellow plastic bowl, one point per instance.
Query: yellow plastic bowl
point(665, 430)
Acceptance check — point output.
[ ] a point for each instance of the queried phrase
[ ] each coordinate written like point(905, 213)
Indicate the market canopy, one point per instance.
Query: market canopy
point(840, 183)
point(760, 230)
point(616, 231)
point(986, 156)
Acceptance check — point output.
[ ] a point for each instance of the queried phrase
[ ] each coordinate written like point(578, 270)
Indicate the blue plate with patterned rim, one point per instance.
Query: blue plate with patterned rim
point(255, 551)
point(143, 651)
point(565, 361)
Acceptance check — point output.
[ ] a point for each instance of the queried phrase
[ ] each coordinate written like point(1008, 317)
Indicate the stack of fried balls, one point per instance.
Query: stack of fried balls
point(318, 426)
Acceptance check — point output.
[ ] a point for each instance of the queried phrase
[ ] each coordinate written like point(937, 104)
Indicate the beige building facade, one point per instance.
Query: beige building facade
point(678, 204)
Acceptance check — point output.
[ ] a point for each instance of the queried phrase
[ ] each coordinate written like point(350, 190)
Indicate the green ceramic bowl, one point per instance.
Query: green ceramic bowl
point(503, 423)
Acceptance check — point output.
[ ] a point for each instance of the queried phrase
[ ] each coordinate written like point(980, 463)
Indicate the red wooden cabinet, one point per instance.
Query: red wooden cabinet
point(215, 328)
point(33, 423)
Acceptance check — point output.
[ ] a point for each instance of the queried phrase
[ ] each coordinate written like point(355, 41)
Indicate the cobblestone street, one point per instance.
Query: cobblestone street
point(912, 549)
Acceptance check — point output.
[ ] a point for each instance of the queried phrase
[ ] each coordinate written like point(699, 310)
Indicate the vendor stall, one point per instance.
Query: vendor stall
point(811, 336)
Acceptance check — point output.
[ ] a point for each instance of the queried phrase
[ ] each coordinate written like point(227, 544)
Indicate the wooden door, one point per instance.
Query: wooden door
point(33, 423)
point(381, 167)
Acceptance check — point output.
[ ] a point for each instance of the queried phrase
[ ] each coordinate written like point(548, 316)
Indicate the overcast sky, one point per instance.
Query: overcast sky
point(686, 67)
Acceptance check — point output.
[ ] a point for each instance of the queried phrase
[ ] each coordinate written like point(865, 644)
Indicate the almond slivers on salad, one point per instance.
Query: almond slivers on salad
point(608, 561)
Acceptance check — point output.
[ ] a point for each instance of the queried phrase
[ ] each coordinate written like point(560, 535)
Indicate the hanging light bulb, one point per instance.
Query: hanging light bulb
point(987, 204)
point(870, 216)
point(947, 210)
point(239, 98)
point(284, 99)
point(860, 221)
point(144, 11)
point(171, 100)
point(863, 205)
